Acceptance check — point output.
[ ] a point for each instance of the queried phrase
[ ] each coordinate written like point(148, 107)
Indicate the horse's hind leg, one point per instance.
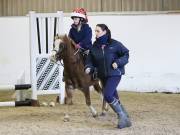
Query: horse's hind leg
point(69, 94)
point(104, 107)
point(88, 101)
point(99, 89)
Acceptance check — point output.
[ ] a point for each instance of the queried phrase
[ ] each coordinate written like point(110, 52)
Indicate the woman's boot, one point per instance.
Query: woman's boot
point(124, 120)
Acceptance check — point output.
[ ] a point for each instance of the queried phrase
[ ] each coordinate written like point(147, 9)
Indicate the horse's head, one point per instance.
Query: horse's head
point(58, 49)
point(61, 46)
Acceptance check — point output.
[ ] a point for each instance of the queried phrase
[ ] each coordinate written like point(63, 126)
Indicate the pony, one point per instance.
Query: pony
point(75, 77)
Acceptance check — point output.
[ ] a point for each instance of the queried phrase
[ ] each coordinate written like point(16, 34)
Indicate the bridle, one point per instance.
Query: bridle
point(60, 52)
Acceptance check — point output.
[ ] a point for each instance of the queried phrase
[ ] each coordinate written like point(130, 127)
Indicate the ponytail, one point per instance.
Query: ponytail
point(109, 35)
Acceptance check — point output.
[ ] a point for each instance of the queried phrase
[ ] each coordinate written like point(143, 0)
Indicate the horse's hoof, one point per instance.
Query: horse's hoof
point(68, 101)
point(106, 109)
point(103, 114)
point(66, 118)
point(57, 99)
point(95, 115)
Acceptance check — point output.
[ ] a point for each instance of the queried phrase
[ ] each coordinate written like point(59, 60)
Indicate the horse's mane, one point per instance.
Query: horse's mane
point(71, 49)
point(66, 39)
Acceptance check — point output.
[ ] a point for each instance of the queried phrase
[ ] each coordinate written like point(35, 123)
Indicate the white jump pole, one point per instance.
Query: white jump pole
point(14, 87)
point(7, 87)
point(16, 103)
point(10, 103)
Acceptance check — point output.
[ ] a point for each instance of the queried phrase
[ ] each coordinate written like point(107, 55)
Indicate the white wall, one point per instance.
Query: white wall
point(14, 48)
point(153, 41)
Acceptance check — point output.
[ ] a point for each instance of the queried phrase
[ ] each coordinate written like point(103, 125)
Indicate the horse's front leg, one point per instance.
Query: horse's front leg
point(104, 106)
point(98, 88)
point(88, 102)
point(69, 93)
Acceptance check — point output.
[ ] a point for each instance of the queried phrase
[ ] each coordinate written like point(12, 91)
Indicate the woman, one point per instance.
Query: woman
point(80, 31)
point(109, 57)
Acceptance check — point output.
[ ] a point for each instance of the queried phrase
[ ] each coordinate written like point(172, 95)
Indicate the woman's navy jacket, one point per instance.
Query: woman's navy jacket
point(82, 37)
point(102, 59)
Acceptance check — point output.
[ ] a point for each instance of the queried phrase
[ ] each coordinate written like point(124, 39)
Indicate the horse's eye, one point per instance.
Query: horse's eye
point(61, 45)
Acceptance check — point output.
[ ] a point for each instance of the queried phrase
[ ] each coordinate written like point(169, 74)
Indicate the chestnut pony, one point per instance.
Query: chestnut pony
point(75, 77)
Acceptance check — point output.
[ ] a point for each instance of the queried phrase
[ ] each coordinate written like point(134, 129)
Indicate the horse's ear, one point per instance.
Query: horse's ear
point(56, 36)
point(66, 35)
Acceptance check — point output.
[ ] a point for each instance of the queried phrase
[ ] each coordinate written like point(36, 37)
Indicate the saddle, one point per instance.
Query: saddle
point(84, 54)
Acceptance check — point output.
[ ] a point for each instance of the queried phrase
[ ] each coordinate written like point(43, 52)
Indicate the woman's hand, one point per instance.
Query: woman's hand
point(114, 65)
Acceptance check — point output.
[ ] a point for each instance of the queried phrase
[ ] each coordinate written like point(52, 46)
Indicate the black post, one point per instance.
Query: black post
point(38, 34)
point(55, 25)
point(46, 35)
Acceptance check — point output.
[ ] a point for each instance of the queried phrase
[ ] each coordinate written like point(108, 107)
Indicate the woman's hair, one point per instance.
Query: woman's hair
point(105, 27)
